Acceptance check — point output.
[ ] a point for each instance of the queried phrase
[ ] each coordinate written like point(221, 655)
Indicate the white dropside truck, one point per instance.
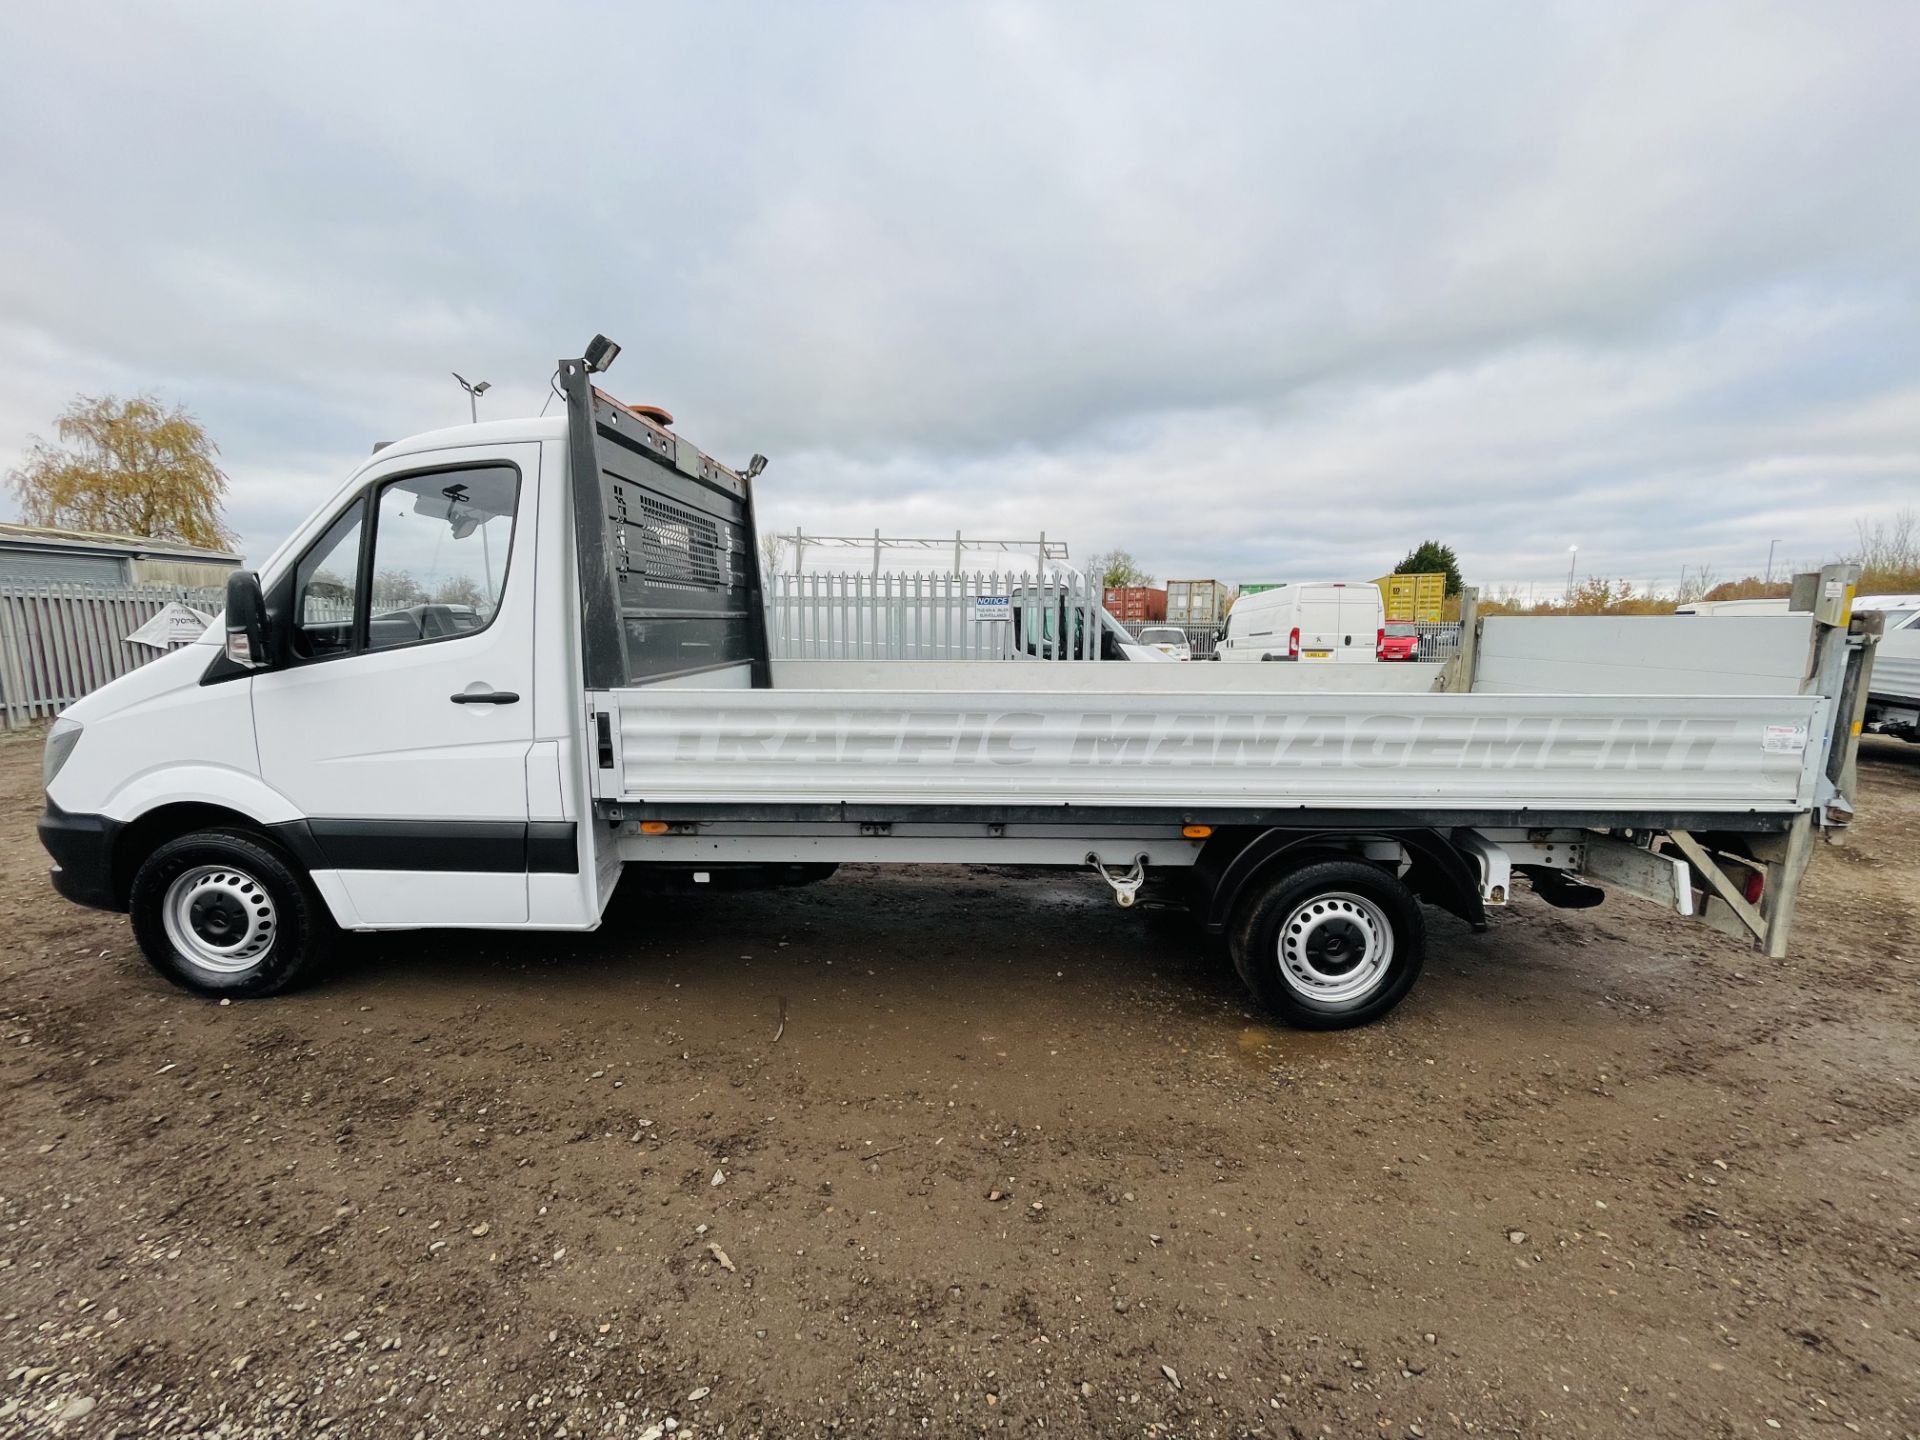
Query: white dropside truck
point(509, 661)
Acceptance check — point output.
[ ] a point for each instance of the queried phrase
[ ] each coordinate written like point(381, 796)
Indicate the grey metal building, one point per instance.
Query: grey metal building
point(38, 555)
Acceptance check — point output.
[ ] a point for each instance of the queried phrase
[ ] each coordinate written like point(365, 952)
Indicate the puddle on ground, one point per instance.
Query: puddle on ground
point(1072, 900)
point(1262, 1047)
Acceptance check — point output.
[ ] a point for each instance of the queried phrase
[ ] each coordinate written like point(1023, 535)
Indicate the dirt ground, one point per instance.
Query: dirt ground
point(1600, 1175)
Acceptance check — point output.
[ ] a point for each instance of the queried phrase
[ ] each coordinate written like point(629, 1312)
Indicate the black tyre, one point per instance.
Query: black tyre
point(1332, 944)
point(222, 912)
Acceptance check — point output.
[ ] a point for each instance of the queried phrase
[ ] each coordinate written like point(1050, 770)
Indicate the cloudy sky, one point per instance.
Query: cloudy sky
point(1254, 290)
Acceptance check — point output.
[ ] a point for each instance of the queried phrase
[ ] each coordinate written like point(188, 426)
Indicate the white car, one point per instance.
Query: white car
point(1169, 640)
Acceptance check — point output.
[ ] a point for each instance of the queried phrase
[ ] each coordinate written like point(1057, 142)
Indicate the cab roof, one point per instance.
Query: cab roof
point(487, 432)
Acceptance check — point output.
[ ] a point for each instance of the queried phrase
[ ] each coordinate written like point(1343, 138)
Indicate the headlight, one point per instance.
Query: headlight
point(61, 739)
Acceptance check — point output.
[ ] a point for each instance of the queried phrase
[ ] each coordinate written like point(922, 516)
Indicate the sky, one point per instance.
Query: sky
point(1255, 291)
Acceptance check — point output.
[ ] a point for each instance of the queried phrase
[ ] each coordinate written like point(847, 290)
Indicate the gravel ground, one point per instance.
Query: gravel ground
point(936, 1152)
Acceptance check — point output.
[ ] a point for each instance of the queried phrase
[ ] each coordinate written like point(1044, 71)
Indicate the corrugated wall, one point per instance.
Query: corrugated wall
point(59, 642)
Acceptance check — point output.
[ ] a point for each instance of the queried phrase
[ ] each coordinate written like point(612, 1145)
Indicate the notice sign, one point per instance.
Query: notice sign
point(174, 624)
point(1784, 739)
point(992, 607)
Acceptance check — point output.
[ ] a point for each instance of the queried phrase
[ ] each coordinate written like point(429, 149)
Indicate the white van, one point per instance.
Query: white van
point(1317, 621)
point(1735, 607)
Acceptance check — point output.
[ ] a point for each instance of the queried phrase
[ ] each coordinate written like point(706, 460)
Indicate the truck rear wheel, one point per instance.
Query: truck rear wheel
point(220, 912)
point(1332, 944)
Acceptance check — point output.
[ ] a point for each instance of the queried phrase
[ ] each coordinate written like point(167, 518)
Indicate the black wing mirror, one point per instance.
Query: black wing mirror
point(249, 640)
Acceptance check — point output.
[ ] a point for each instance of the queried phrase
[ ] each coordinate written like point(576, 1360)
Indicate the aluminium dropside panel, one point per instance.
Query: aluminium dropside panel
point(1623, 756)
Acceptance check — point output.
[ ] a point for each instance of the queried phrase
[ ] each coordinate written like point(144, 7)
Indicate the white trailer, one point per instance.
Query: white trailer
point(509, 662)
point(1893, 702)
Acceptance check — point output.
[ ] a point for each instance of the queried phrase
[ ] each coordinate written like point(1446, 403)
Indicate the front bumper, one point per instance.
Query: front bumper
point(82, 851)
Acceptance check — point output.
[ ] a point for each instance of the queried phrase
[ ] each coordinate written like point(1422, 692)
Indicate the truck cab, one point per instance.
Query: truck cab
point(1061, 618)
point(398, 728)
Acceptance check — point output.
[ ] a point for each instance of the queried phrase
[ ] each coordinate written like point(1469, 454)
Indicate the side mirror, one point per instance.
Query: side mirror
point(249, 641)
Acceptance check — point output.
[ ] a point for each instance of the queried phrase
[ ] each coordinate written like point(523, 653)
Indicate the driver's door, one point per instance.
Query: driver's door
point(401, 720)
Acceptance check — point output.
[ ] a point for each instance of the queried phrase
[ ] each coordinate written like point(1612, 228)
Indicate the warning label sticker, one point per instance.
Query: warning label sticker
point(1784, 739)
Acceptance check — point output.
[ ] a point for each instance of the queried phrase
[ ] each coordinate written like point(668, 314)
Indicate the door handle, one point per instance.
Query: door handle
point(485, 697)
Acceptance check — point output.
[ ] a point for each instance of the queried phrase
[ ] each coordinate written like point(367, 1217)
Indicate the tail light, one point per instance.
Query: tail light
point(1755, 886)
point(1293, 644)
point(1380, 643)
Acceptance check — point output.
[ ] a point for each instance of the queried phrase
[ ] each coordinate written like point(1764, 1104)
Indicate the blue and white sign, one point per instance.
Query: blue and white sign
point(992, 607)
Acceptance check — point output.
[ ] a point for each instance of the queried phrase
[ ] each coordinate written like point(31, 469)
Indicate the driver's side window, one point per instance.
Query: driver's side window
point(324, 587)
point(441, 542)
point(440, 548)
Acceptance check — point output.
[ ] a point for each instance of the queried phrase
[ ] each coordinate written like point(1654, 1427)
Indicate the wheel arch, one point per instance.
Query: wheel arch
point(172, 801)
point(140, 837)
point(1233, 861)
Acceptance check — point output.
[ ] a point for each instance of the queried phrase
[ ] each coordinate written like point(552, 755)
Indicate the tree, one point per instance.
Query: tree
point(128, 467)
point(1697, 586)
point(771, 548)
point(1888, 551)
point(1430, 557)
point(396, 589)
point(1116, 568)
point(460, 590)
point(1751, 587)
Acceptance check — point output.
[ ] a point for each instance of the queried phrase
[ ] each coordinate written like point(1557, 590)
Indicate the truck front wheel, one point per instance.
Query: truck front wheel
point(1332, 944)
point(222, 913)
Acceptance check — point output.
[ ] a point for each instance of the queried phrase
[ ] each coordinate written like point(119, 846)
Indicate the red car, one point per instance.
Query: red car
point(1397, 642)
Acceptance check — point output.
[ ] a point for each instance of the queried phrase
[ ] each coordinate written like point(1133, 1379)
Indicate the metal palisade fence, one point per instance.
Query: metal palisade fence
point(1438, 642)
point(969, 616)
point(58, 642)
point(1201, 639)
point(943, 616)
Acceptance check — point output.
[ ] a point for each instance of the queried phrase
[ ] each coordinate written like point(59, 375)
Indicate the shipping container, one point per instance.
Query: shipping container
point(1414, 599)
point(1196, 602)
point(1254, 587)
point(1130, 604)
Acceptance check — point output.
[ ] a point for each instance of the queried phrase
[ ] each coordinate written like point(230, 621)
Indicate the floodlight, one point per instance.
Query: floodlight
point(601, 353)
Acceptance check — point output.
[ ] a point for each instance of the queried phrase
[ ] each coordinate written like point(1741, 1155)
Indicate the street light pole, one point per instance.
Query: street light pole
point(474, 391)
point(1573, 553)
point(1770, 545)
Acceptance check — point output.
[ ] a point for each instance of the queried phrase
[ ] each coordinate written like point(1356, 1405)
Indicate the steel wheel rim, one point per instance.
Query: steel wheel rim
point(218, 919)
point(1335, 948)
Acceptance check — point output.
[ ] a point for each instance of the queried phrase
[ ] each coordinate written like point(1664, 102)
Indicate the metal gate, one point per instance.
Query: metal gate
point(985, 615)
point(59, 642)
